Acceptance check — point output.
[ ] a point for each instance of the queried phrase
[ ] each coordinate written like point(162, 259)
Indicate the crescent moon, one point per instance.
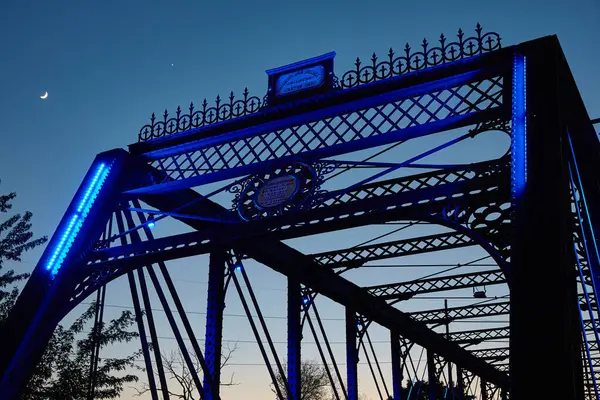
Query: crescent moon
point(44, 96)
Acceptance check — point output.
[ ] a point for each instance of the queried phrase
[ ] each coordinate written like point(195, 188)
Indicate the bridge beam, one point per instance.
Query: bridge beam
point(405, 290)
point(356, 256)
point(293, 264)
point(542, 250)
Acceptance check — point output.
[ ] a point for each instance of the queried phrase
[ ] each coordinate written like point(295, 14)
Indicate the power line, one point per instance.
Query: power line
point(426, 265)
point(267, 316)
point(204, 313)
point(274, 365)
point(332, 342)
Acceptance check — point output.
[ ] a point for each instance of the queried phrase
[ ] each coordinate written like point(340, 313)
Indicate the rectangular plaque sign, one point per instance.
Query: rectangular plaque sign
point(302, 79)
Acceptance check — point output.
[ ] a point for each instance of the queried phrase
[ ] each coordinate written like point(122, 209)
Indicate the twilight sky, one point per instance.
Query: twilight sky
point(108, 64)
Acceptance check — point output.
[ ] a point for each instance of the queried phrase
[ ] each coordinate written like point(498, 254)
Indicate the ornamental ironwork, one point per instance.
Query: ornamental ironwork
point(292, 187)
point(222, 110)
point(416, 59)
point(410, 60)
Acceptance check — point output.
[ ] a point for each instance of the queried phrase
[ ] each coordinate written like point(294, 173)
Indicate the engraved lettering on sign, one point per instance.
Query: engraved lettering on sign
point(276, 191)
point(300, 80)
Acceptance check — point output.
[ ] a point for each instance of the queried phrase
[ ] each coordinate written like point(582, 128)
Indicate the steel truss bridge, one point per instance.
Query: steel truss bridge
point(320, 153)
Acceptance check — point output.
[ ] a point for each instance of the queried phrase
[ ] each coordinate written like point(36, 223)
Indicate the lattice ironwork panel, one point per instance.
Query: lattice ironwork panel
point(589, 325)
point(594, 346)
point(424, 181)
point(108, 261)
point(493, 391)
point(418, 245)
point(440, 369)
point(442, 315)
point(409, 59)
point(496, 353)
point(393, 290)
point(474, 186)
point(502, 367)
point(479, 179)
point(596, 362)
point(479, 335)
point(378, 120)
point(468, 378)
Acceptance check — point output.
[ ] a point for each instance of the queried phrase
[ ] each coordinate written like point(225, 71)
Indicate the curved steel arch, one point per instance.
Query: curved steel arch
point(457, 226)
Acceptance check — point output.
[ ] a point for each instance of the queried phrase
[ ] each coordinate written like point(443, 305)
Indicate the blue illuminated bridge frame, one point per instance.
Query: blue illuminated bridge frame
point(91, 188)
point(508, 204)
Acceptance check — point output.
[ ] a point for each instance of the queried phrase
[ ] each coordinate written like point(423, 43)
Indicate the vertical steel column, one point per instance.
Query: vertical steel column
point(351, 355)
point(214, 321)
point(142, 331)
point(329, 351)
point(259, 342)
point(136, 238)
point(160, 371)
point(138, 311)
point(95, 356)
point(483, 389)
point(294, 338)
point(460, 383)
point(542, 240)
point(447, 316)
point(396, 365)
point(336, 395)
point(431, 376)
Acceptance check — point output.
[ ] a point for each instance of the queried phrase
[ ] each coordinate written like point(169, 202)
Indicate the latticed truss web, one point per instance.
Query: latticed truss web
point(470, 189)
point(366, 123)
point(419, 241)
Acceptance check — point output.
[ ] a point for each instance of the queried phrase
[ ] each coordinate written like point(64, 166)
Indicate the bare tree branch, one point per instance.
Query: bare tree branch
point(177, 370)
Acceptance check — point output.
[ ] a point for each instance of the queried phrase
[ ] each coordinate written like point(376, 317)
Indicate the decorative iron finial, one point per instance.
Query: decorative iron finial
point(394, 64)
point(420, 58)
point(195, 118)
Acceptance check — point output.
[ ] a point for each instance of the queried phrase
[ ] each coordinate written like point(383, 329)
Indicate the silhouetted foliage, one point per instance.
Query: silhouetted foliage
point(64, 370)
point(314, 382)
point(15, 239)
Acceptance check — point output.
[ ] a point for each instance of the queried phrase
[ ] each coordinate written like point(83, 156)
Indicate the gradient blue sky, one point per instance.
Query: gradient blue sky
point(107, 65)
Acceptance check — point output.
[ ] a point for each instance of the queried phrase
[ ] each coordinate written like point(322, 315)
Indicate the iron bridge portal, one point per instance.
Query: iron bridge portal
point(368, 151)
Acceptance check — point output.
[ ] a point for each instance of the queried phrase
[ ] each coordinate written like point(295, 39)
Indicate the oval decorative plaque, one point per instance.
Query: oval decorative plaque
point(277, 191)
point(300, 80)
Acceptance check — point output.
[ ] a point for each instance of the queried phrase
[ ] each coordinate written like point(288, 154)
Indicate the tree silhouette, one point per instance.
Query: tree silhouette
point(16, 238)
point(64, 370)
point(314, 382)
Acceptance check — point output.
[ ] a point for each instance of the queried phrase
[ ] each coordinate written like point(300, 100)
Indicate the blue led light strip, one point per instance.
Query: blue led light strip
point(519, 127)
point(90, 188)
point(76, 220)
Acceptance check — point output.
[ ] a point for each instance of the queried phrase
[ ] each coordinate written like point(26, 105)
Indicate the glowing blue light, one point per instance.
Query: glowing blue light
point(76, 221)
point(151, 224)
point(519, 127)
point(358, 325)
point(306, 300)
point(238, 267)
point(91, 187)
